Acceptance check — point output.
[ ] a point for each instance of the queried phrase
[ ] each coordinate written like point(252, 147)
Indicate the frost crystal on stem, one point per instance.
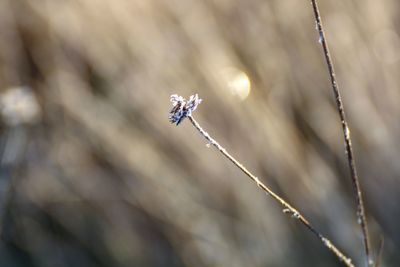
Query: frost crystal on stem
point(182, 108)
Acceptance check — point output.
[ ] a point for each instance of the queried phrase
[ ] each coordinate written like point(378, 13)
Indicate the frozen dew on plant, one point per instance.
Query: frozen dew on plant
point(347, 132)
point(320, 39)
point(286, 211)
point(295, 214)
point(182, 108)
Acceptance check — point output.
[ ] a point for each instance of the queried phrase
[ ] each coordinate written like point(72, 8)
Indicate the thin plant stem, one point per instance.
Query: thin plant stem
point(380, 251)
point(287, 208)
point(361, 218)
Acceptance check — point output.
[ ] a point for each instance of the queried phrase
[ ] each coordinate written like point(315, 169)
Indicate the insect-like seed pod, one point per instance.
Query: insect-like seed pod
point(182, 108)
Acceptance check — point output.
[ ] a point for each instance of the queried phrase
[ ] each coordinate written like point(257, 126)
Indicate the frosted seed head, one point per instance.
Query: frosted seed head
point(182, 108)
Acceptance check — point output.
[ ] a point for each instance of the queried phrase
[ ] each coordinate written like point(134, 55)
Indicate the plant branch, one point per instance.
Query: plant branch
point(361, 218)
point(380, 251)
point(287, 208)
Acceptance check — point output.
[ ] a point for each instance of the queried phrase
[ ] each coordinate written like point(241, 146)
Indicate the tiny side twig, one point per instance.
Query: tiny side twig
point(361, 218)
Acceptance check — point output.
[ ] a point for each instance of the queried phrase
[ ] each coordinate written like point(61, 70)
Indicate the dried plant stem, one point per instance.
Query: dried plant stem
point(287, 207)
point(346, 131)
point(380, 251)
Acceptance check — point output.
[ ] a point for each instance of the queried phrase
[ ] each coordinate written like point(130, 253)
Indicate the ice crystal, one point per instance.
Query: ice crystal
point(182, 108)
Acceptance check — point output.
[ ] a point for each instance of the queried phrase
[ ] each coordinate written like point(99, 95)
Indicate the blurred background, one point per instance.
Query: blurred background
point(93, 174)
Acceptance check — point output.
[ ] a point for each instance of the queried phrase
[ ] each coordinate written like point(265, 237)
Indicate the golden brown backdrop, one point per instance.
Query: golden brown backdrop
point(93, 174)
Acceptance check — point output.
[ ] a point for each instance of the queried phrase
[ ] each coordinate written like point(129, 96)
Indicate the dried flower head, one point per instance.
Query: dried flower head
point(182, 108)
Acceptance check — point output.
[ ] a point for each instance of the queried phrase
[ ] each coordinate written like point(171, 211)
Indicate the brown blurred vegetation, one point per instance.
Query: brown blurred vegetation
point(93, 174)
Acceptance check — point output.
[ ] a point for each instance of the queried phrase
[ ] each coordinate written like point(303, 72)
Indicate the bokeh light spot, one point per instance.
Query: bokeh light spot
point(237, 82)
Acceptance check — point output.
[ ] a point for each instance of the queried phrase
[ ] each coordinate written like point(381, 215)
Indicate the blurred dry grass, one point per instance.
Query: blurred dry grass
point(94, 174)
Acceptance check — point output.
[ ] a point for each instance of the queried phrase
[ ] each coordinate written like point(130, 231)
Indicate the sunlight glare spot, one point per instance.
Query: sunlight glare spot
point(237, 82)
